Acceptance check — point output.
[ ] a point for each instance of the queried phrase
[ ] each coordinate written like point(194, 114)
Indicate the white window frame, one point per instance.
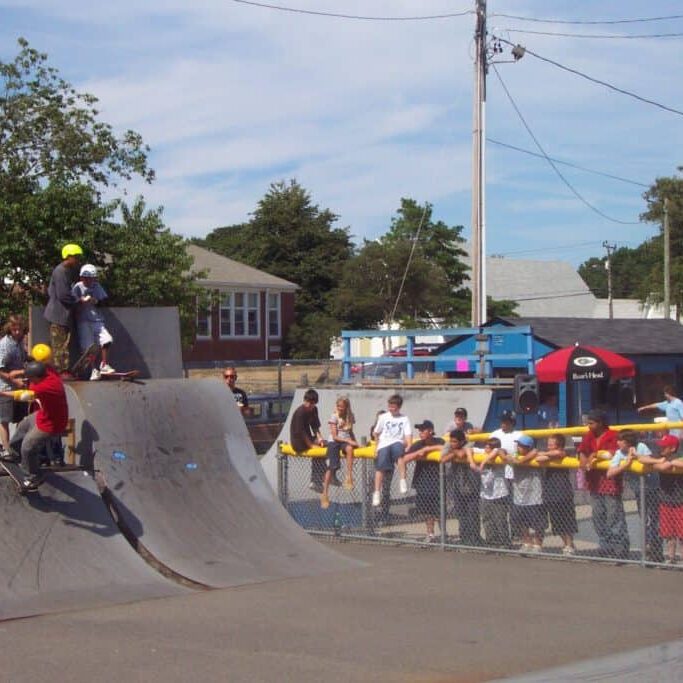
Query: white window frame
point(209, 311)
point(231, 296)
point(222, 297)
point(278, 313)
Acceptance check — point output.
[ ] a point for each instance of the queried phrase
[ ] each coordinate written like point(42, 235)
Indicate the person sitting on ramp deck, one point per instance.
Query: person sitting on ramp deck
point(32, 434)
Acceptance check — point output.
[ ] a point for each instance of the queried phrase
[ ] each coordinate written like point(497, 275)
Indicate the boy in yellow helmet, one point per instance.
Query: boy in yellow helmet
point(61, 303)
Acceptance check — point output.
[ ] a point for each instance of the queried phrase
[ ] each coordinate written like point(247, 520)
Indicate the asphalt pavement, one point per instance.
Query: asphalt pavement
point(409, 614)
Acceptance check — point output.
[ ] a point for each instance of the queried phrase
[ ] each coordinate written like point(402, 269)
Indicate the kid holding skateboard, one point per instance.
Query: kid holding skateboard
point(89, 321)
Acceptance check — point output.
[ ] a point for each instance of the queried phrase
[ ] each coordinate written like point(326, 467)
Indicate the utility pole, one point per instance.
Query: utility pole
point(608, 265)
point(667, 261)
point(478, 171)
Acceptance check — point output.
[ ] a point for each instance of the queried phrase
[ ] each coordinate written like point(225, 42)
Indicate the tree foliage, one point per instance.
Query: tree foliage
point(292, 238)
point(637, 273)
point(147, 265)
point(49, 132)
point(56, 157)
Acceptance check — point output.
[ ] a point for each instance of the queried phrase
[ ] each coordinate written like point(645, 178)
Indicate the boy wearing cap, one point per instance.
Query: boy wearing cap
point(527, 516)
point(605, 492)
point(60, 305)
point(670, 494)
point(425, 476)
point(89, 294)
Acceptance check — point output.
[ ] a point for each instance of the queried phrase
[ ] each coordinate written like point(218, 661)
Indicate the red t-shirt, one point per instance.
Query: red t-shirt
point(597, 480)
point(53, 415)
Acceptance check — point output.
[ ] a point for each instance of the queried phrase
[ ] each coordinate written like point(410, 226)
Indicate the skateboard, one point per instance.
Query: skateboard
point(16, 474)
point(86, 358)
point(121, 376)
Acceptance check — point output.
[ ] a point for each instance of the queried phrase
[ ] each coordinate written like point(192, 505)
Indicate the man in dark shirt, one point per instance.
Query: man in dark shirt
point(426, 475)
point(230, 377)
point(304, 433)
point(61, 303)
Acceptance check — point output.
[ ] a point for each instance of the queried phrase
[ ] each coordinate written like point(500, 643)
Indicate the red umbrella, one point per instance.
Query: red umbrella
point(583, 363)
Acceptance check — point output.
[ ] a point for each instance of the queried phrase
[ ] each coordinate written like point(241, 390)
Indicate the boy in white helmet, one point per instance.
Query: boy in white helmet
point(90, 321)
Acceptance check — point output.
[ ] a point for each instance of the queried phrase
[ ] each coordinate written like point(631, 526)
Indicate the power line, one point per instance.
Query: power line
point(595, 80)
point(338, 15)
point(587, 21)
point(573, 190)
point(567, 163)
point(563, 247)
point(602, 36)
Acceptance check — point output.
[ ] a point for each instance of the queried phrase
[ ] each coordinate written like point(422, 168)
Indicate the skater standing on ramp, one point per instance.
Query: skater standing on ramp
point(89, 294)
point(12, 358)
point(33, 432)
point(60, 305)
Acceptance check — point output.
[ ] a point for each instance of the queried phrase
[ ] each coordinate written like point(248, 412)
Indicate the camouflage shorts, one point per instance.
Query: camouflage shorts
point(60, 337)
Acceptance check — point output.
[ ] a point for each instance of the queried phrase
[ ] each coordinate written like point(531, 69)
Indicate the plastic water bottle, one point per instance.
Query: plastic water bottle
point(337, 523)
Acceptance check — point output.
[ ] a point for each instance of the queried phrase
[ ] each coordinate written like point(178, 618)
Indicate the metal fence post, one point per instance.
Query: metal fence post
point(442, 504)
point(643, 521)
point(365, 512)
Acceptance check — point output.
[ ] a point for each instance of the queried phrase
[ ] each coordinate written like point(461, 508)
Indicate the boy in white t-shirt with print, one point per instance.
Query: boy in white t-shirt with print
point(393, 432)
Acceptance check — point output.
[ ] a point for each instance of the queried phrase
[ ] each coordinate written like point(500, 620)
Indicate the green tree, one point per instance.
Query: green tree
point(669, 190)
point(386, 295)
point(147, 265)
point(56, 157)
point(292, 238)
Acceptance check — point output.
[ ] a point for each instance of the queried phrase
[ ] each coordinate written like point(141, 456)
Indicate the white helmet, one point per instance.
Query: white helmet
point(88, 270)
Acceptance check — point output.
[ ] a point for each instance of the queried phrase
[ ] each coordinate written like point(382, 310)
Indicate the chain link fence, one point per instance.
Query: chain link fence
point(523, 509)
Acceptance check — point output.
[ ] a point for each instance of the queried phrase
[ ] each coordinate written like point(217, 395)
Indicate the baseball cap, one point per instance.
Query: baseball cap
point(525, 440)
point(668, 441)
point(597, 415)
point(460, 412)
point(425, 424)
point(508, 415)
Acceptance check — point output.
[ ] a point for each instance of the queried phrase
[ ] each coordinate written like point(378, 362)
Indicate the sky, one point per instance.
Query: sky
point(232, 97)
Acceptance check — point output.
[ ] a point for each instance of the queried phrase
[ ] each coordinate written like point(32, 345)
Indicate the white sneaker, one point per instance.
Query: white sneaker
point(106, 369)
point(403, 486)
point(376, 499)
point(95, 375)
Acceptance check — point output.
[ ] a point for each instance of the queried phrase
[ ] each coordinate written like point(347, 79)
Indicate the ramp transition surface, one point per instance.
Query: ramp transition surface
point(62, 550)
point(179, 462)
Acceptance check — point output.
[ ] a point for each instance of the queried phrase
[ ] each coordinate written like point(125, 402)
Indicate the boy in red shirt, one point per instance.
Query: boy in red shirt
point(33, 432)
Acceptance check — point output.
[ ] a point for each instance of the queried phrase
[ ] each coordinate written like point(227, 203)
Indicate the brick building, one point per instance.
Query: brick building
point(249, 316)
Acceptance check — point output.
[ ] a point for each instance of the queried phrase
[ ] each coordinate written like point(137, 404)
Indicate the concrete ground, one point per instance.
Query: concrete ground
point(409, 615)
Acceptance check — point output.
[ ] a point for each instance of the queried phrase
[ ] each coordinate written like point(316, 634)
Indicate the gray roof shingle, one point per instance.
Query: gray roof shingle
point(223, 271)
point(622, 335)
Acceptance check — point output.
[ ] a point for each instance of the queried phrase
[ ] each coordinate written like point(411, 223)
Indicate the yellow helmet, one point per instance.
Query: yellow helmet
point(41, 353)
point(71, 250)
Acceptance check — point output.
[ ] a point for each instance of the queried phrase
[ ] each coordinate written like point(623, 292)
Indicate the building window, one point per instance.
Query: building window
point(225, 314)
point(239, 314)
point(203, 322)
point(274, 315)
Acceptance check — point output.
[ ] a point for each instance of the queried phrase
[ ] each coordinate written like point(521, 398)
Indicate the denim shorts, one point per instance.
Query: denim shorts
point(387, 456)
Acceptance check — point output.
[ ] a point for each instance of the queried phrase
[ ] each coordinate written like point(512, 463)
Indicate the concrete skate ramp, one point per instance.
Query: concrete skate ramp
point(435, 404)
point(62, 550)
point(136, 333)
point(177, 457)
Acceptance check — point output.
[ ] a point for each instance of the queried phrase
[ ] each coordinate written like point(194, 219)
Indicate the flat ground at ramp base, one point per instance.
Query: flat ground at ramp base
point(409, 615)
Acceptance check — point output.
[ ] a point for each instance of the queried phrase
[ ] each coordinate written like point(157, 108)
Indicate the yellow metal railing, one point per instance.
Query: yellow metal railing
point(569, 462)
